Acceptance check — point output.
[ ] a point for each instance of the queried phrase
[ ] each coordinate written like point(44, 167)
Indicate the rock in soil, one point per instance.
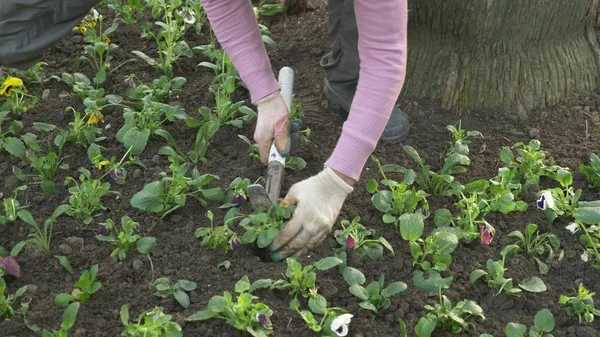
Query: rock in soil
point(65, 249)
point(75, 242)
point(138, 265)
point(45, 94)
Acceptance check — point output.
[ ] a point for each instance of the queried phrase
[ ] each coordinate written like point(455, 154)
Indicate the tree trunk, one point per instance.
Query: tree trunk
point(509, 54)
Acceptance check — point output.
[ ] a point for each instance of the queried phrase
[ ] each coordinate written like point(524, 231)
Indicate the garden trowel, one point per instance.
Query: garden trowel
point(262, 198)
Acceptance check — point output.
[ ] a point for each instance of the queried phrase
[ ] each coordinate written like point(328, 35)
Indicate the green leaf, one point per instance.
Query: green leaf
point(359, 291)
point(328, 263)
point(146, 245)
point(48, 187)
point(64, 262)
point(533, 284)
point(217, 303)
point(412, 226)
point(443, 217)
point(433, 283)
point(242, 285)
point(69, 316)
point(26, 216)
point(544, 321)
point(44, 126)
point(368, 306)
point(14, 146)
point(61, 300)
point(382, 200)
point(124, 314)
point(477, 186)
point(413, 154)
point(317, 304)
point(372, 186)
point(201, 316)
point(182, 298)
point(409, 177)
point(60, 210)
point(136, 139)
point(515, 330)
point(476, 275)
point(393, 289)
point(425, 327)
point(261, 284)
point(388, 218)
point(149, 199)
point(509, 250)
point(353, 276)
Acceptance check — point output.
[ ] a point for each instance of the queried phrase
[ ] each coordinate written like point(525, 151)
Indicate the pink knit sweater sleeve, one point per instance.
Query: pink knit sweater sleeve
point(382, 27)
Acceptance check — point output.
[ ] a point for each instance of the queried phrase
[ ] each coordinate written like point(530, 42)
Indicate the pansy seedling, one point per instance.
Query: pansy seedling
point(340, 324)
point(486, 233)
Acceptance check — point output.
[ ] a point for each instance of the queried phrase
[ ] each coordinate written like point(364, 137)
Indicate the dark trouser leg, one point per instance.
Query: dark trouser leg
point(341, 65)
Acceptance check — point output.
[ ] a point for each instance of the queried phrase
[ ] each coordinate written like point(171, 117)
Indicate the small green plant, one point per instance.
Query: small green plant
point(158, 91)
point(8, 302)
point(560, 201)
point(68, 320)
point(374, 296)
point(399, 198)
point(587, 218)
point(529, 164)
point(86, 286)
point(263, 227)
point(34, 74)
point(467, 222)
point(126, 238)
point(41, 237)
point(494, 276)
point(537, 245)
point(461, 138)
point(86, 196)
point(165, 289)
point(81, 132)
point(217, 237)
point(11, 207)
point(243, 313)
point(127, 10)
point(542, 322)
point(447, 317)
point(171, 192)
point(153, 323)
point(334, 322)
point(581, 305)
point(302, 281)
point(355, 236)
point(18, 99)
point(499, 194)
point(592, 172)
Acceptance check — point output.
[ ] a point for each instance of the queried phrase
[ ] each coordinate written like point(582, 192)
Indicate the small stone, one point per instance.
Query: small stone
point(571, 329)
point(390, 318)
point(534, 133)
point(169, 272)
point(79, 332)
point(578, 281)
point(45, 94)
point(329, 291)
point(570, 254)
point(195, 296)
point(155, 158)
point(403, 309)
point(32, 252)
point(32, 289)
point(137, 173)
point(64, 94)
point(75, 242)
point(175, 218)
point(10, 182)
point(577, 107)
point(585, 331)
point(138, 265)
point(65, 249)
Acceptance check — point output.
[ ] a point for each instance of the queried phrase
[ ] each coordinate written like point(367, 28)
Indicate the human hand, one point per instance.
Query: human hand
point(272, 125)
point(319, 200)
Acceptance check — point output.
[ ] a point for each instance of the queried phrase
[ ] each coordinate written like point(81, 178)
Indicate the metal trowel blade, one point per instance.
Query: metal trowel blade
point(259, 198)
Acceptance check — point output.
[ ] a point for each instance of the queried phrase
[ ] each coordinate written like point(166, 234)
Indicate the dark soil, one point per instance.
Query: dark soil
point(569, 131)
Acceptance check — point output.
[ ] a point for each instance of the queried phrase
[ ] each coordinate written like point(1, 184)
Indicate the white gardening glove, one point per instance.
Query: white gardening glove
point(272, 124)
point(318, 202)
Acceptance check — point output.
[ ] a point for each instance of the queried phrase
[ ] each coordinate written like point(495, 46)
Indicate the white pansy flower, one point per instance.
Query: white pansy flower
point(593, 228)
point(188, 17)
point(585, 256)
point(340, 324)
point(573, 227)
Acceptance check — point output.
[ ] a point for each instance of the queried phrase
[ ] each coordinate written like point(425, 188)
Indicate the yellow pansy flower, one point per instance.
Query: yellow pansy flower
point(107, 40)
point(95, 118)
point(9, 84)
point(102, 163)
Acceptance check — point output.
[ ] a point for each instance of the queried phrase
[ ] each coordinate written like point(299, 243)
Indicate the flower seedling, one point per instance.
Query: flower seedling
point(592, 172)
point(433, 253)
point(86, 196)
point(263, 227)
point(499, 194)
point(374, 296)
point(171, 192)
point(437, 183)
point(335, 321)
point(537, 245)
point(399, 198)
point(529, 164)
point(237, 193)
point(8, 302)
point(81, 131)
point(112, 167)
point(160, 89)
point(461, 138)
point(18, 100)
point(34, 74)
point(41, 237)
point(581, 305)
point(354, 236)
point(467, 223)
point(302, 281)
point(587, 218)
point(86, 286)
point(542, 322)
point(126, 238)
point(128, 11)
point(152, 323)
point(558, 201)
point(68, 320)
point(11, 207)
point(494, 276)
point(243, 313)
point(165, 289)
point(217, 237)
point(444, 316)
point(8, 265)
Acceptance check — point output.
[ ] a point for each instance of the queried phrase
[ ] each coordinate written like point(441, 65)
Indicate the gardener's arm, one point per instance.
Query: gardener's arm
point(382, 48)
point(28, 28)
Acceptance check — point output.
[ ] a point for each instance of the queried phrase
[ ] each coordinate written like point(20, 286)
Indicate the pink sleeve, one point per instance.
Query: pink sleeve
point(382, 30)
point(236, 28)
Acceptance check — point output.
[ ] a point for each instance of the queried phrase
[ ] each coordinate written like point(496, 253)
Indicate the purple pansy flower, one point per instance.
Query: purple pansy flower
point(487, 234)
point(239, 200)
point(10, 266)
point(262, 319)
point(350, 242)
point(117, 175)
point(235, 243)
point(545, 201)
point(102, 230)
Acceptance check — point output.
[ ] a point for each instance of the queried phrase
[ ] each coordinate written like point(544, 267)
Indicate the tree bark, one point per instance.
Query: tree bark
point(514, 55)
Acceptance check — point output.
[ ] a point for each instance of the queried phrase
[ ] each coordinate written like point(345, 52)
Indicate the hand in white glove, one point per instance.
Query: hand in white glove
point(319, 200)
point(272, 125)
